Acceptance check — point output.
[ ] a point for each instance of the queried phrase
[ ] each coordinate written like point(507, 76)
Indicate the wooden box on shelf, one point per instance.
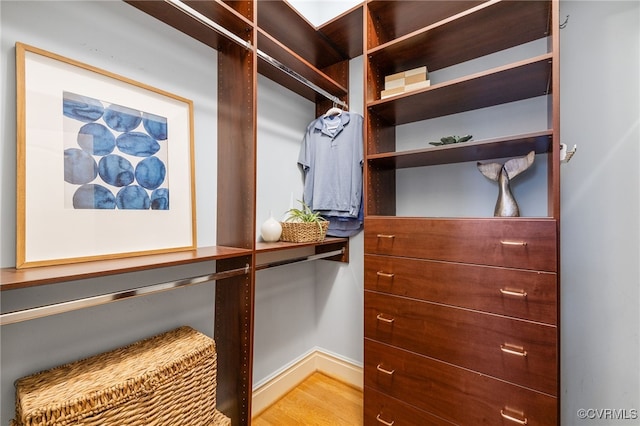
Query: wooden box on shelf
point(405, 82)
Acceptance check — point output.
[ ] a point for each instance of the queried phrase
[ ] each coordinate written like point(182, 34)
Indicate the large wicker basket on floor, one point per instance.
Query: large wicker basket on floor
point(166, 380)
point(304, 232)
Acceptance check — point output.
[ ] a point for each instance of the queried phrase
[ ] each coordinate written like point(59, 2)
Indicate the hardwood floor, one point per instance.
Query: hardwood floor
point(318, 401)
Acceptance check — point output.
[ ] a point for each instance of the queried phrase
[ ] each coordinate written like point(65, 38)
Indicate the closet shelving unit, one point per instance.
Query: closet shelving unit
point(241, 32)
point(459, 312)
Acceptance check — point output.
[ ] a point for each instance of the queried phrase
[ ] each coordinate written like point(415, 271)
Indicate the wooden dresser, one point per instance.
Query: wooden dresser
point(460, 321)
point(460, 313)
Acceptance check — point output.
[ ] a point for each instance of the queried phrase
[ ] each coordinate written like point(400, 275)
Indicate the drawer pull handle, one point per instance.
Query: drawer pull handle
point(384, 422)
point(513, 419)
point(384, 274)
point(383, 319)
point(384, 370)
point(516, 293)
point(513, 350)
point(387, 236)
point(513, 243)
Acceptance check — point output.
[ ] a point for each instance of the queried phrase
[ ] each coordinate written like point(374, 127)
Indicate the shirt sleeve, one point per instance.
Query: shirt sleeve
point(305, 161)
point(304, 157)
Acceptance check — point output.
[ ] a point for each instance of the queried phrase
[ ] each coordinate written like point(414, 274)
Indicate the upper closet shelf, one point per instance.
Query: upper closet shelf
point(201, 20)
point(285, 67)
point(521, 80)
point(389, 20)
point(315, 57)
point(468, 35)
point(338, 40)
point(212, 22)
point(345, 31)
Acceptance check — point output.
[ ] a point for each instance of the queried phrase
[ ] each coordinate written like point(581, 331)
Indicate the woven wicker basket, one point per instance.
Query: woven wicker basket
point(168, 379)
point(304, 232)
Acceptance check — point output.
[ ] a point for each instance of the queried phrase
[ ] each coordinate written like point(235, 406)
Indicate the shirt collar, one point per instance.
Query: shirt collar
point(321, 127)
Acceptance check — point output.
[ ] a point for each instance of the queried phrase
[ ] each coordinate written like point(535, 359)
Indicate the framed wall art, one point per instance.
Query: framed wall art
point(104, 164)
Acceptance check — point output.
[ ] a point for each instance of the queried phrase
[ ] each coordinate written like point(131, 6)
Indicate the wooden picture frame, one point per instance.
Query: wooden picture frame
point(105, 164)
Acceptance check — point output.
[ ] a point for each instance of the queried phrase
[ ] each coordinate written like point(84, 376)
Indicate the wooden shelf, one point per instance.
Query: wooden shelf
point(389, 20)
point(297, 45)
point(262, 247)
point(514, 82)
point(320, 54)
point(297, 33)
point(12, 278)
point(345, 31)
point(329, 244)
point(468, 35)
point(510, 146)
point(219, 12)
point(296, 63)
point(324, 46)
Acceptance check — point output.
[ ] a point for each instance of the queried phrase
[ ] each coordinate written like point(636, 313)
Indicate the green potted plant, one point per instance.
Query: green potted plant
point(303, 225)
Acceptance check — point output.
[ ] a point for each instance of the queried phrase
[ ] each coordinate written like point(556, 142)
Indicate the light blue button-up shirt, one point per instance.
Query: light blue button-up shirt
point(331, 157)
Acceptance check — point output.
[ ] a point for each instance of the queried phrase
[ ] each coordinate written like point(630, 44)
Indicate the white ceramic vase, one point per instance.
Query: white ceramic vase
point(271, 230)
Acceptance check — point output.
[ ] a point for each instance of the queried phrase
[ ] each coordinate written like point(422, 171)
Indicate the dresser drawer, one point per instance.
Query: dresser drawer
point(515, 243)
point(382, 410)
point(517, 293)
point(519, 351)
point(455, 394)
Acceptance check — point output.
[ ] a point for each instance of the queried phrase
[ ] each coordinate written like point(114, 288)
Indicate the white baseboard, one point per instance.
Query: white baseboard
point(269, 392)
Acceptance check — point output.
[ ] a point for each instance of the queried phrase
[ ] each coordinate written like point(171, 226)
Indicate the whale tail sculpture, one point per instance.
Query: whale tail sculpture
point(506, 205)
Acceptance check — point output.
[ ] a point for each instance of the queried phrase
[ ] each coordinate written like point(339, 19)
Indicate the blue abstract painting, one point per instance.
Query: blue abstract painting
point(115, 157)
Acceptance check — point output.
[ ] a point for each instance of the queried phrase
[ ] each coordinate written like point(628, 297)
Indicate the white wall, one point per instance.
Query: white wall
point(285, 324)
point(340, 290)
point(600, 228)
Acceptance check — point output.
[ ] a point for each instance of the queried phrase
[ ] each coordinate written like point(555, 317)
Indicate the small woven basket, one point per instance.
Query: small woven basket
point(166, 380)
point(304, 232)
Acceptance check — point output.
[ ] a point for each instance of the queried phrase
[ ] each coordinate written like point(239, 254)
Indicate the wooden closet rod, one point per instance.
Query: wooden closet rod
point(87, 302)
point(178, 4)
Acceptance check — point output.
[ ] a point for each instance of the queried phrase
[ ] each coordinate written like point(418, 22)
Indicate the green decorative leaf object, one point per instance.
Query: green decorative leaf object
point(447, 140)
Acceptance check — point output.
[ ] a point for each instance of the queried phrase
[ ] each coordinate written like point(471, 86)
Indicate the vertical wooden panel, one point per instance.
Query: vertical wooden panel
point(237, 79)
point(380, 190)
point(236, 146)
point(234, 337)
point(243, 7)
